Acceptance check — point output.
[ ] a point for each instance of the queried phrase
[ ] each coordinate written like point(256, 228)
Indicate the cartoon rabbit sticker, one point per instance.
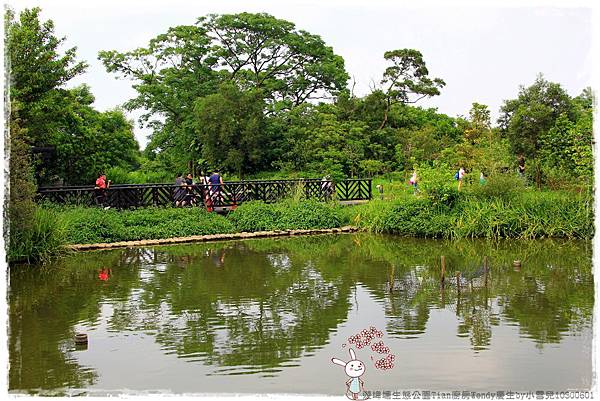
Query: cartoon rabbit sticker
point(354, 369)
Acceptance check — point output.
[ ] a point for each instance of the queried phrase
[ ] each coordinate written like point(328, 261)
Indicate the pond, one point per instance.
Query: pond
point(267, 316)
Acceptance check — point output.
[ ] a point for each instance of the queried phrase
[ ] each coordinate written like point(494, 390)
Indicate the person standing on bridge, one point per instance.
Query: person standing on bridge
point(179, 190)
point(100, 189)
point(216, 181)
point(327, 187)
point(190, 196)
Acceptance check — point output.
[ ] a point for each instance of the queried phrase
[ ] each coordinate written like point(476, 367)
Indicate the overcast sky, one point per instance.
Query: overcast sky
point(483, 53)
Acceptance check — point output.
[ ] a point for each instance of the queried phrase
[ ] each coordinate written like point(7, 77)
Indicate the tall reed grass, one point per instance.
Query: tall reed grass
point(524, 215)
point(41, 241)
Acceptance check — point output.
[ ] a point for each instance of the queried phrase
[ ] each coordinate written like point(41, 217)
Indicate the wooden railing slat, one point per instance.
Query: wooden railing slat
point(230, 193)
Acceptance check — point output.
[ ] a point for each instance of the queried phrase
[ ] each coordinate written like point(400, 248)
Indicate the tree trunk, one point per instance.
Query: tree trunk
point(385, 114)
point(385, 118)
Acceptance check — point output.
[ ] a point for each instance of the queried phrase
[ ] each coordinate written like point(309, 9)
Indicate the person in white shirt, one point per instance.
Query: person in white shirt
point(461, 174)
point(413, 182)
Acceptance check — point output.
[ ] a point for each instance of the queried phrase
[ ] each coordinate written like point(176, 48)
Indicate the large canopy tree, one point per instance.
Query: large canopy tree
point(527, 120)
point(254, 51)
point(174, 70)
point(90, 141)
point(260, 51)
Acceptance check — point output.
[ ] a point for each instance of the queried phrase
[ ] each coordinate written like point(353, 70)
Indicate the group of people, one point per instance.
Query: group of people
point(210, 189)
point(184, 192)
point(460, 174)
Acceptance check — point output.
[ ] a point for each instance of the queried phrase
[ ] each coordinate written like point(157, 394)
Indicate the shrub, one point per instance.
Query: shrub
point(500, 186)
point(442, 194)
point(254, 216)
point(119, 175)
point(308, 214)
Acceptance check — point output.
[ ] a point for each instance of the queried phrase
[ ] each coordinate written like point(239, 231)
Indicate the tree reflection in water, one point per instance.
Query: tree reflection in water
point(261, 305)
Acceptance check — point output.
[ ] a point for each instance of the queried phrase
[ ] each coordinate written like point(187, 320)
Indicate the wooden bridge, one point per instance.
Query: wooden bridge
point(219, 198)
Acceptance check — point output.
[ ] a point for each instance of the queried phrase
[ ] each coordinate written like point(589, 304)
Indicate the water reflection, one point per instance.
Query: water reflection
point(262, 306)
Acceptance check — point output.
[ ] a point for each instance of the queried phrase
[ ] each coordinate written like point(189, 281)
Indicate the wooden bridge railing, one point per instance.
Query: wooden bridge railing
point(226, 195)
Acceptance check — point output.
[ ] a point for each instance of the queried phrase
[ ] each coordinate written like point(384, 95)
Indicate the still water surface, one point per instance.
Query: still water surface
point(267, 316)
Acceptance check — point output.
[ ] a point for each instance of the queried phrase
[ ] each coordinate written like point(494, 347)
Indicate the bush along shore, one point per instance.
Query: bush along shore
point(437, 212)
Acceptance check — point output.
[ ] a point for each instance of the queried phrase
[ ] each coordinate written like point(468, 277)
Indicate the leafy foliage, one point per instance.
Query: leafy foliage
point(533, 112)
point(92, 141)
point(36, 67)
point(545, 124)
point(21, 207)
point(500, 186)
point(290, 214)
point(257, 53)
point(526, 215)
point(42, 240)
point(231, 128)
point(407, 79)
point(262, 52)
point(80, 140)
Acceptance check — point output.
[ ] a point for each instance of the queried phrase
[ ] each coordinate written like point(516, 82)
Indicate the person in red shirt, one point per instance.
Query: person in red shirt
point(100, 189)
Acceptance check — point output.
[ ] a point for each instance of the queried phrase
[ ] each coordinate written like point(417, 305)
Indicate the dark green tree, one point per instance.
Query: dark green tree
point(255, 51)
point(90, 140)
point(231, 126)
point(407, 80)
point(533, 113)
point(568, 147)
point(37, 70)
point(551, 129)
point(21, 206)
point(81, 140)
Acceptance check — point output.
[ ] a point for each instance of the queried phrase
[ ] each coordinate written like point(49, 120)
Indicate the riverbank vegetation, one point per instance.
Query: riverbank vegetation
point(281, 106)
point(440, 213)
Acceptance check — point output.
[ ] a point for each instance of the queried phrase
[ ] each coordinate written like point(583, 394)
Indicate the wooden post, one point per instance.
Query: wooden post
point(457, 293)
point(485, 270)
point(443, 270)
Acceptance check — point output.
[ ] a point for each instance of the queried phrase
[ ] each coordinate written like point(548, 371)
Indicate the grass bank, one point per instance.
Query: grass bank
point(446, 213)
point(496, 210)
point(86, 225)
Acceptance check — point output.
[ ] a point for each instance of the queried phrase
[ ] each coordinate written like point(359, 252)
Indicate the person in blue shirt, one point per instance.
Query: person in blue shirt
point(216, 182)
